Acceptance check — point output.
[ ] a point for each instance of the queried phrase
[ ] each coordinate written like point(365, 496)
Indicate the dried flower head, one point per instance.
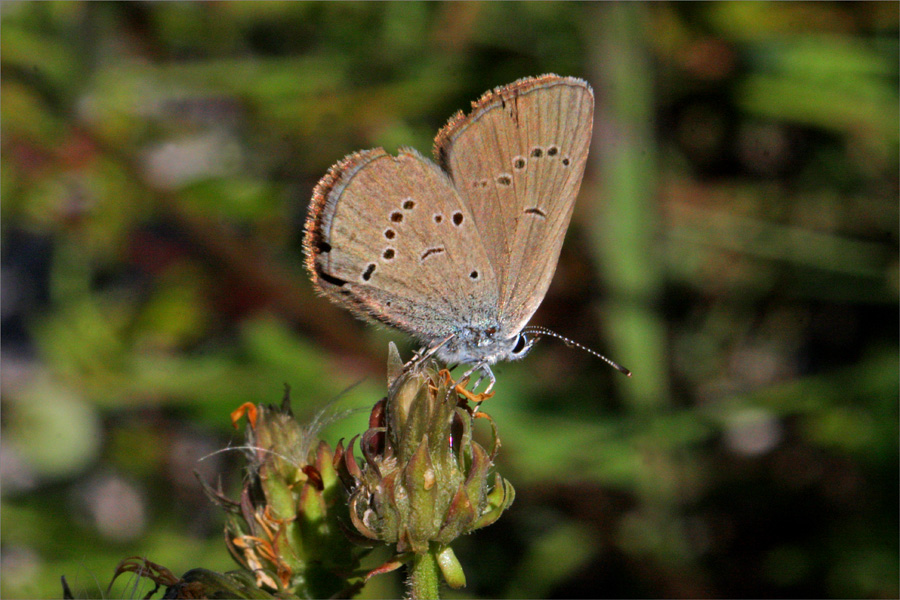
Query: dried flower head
point(286, 527)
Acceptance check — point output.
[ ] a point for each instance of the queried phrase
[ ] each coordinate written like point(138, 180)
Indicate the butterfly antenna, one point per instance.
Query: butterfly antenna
point(539, 331)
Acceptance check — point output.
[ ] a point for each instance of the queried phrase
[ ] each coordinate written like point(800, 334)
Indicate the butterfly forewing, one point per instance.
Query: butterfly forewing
point(392, 239)
point(518, 160)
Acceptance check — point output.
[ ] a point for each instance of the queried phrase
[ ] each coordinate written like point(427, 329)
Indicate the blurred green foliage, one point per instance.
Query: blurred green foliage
point(735, 244)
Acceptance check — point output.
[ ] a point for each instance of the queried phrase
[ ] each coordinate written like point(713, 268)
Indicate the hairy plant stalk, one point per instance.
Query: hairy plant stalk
point(423, 582)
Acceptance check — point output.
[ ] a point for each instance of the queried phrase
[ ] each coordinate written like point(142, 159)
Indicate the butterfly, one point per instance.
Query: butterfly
point(458, 253)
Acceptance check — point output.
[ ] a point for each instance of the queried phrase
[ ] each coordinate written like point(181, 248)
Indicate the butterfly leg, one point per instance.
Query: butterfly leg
point(460, 386)
point(484, 371)
point(424, 354)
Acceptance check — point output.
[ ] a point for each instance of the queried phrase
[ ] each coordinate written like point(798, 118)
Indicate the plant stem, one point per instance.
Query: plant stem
point(424, 576)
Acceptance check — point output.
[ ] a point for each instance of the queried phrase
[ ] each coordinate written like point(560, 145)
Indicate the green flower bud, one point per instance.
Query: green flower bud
point(423, 480)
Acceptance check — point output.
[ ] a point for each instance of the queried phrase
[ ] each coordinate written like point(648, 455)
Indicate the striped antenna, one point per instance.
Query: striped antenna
point(539, 331)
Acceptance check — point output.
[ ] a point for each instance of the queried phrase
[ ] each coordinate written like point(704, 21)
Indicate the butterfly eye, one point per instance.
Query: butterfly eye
point(523, 345)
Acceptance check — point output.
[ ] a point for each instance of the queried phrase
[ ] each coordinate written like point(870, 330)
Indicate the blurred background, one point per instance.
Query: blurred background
point(735, 244)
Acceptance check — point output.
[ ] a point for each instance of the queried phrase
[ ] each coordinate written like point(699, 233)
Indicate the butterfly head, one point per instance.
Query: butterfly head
point(486, 345)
